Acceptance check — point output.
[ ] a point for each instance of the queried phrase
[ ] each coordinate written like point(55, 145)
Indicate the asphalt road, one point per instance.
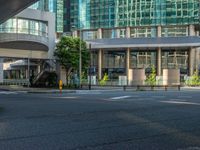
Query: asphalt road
point(113, 120)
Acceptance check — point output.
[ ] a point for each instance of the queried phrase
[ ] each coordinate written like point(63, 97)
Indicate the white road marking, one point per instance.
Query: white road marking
point(7, 92)
point(65, 97)
point(179, 102)
point(88, 92)
point(182, 100)
point(120, 97)
point(158, 96)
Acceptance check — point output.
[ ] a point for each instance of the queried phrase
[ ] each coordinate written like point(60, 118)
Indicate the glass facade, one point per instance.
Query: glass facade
point(114, 63)
point(55, 6)
point(175, 31)
point(173, 59)
point(142, 59)
point(25, 26)
point(95, 14)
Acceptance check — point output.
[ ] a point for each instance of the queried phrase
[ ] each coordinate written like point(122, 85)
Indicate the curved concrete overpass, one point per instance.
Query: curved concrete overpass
point(23, 41)
point(9, 8)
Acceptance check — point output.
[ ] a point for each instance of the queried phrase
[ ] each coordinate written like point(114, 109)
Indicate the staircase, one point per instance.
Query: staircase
point(45, 79)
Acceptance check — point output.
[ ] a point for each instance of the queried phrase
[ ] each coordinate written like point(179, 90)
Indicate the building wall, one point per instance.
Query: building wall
point(28, 22)
point(122, 13)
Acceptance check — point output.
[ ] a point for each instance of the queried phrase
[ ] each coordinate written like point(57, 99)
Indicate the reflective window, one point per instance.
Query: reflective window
point(24, 26)
point(143, 32)
point(89, 35)
point(122, 13)
point(114, 59)
point(141, 59)
point(175, 59)
point(174, 31)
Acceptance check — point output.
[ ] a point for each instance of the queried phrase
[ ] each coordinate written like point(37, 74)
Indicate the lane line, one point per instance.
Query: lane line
point(7, 92)
point(120, 97)
point(179, 102)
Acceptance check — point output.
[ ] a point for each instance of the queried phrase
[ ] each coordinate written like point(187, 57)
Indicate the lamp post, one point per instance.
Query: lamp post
point(90, 80)
point(80, 55)
point(80, 59)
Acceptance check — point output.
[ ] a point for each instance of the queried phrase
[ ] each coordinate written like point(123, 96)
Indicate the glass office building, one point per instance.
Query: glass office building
point(137, 34)
point(55, 6)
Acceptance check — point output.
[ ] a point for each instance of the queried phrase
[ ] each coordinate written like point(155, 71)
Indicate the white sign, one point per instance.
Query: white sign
point(93, 80)
point(122, 80)
point(1, 70)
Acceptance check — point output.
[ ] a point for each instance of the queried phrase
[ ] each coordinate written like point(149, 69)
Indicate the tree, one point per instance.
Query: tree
point(67, 53)
point(151, 79)
point(194, 79)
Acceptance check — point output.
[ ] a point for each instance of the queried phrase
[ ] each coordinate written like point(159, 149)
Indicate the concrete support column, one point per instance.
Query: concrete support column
point(159, 31)
point(197, 33)
point(99, 33)
point(159, 62)
point(197, 60)
point(100, 53)
point(191, 61)
point(1, 70)
point(128, 64)
point(118, 33)
point(191, 30)
point(75, 33)
point(128, 32)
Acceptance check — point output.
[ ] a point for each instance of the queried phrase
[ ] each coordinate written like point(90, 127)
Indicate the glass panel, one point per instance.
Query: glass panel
point(142, 59)
point(175, 59)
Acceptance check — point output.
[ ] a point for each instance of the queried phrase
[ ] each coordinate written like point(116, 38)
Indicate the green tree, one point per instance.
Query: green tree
point(151, 79)
point(67, 53)
point(194, 79)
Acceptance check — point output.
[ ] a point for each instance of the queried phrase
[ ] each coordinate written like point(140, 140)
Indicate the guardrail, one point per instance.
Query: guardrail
point(15, 82)
point(137, 87)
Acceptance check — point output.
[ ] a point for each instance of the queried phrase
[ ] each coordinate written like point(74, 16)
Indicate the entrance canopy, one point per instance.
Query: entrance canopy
point(164, 42)
point(9, 8)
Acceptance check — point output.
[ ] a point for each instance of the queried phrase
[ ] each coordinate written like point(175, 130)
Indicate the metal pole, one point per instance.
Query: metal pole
point(28, 72)
point(80, 60)
point(90, 66)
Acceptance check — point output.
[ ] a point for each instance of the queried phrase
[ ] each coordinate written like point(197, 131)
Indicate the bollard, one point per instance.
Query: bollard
point(138, 87)
point(152, 88)
point(165, 88)
point(179, 87)
point(60, 86)
point(124, 87)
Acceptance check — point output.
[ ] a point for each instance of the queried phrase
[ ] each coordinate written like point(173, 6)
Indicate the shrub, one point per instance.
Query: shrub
point(104, 80)
point(151, 79)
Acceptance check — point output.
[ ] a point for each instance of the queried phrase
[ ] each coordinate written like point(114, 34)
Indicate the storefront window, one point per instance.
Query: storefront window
point(114, 64)
point(175, 60)
point(142, 59)
point(114, 59)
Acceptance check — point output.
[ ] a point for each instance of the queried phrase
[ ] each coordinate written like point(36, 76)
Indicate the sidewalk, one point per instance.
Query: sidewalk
point(85, 89)
point(54, 90)
point(190, 88)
